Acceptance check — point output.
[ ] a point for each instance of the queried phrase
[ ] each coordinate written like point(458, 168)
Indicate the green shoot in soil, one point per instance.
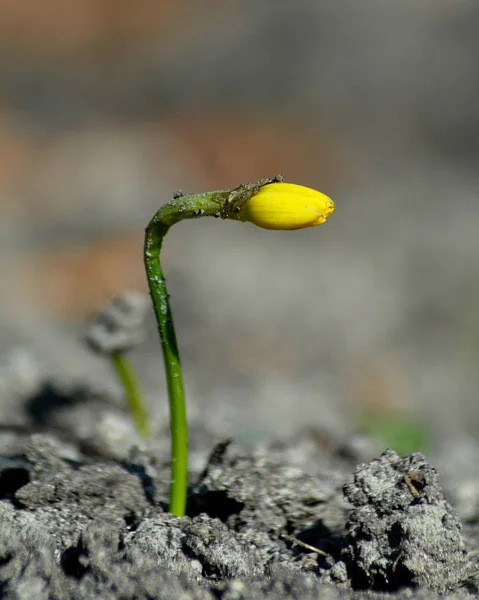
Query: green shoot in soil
point(270, 204)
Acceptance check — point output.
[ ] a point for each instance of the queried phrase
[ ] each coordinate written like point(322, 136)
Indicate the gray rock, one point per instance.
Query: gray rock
point(262, 499)
point(71, 530)
point(199, 548)
point(402, 531)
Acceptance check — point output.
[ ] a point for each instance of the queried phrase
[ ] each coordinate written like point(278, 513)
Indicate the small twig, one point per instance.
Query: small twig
point(396, 561)
point(216, 457)
point(408, 481)
point(297, 542)
point(469, 579)
point(472, 576)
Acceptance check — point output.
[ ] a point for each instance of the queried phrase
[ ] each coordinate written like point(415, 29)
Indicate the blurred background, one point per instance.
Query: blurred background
point(107, 107)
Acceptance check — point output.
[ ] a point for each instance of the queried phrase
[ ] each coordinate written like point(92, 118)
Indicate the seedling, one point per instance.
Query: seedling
point(270, 204)
point(118, 328)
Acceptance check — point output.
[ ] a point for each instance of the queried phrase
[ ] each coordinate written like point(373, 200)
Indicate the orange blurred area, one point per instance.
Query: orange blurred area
point(225, 149)
point(56, 30)
point(77, 281)
point(109, 107)
point(43, 181)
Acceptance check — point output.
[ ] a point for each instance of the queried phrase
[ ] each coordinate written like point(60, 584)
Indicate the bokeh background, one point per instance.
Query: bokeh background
point(109, 106)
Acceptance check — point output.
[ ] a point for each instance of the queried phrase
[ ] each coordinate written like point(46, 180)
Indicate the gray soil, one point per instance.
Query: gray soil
point(296, 520)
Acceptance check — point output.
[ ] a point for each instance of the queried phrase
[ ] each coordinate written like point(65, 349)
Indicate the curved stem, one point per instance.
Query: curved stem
point(134, 398)
point(225, 204)
point(155, 232)
point(174, 377)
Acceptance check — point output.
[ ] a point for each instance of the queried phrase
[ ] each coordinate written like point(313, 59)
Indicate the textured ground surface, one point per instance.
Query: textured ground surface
point(79, 521)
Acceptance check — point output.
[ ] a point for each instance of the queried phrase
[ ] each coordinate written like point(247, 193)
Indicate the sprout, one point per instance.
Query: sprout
point(119, 327)
point(270, 204)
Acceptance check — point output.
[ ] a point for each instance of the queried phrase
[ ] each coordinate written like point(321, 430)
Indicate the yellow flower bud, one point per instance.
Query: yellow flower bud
point(287, 206)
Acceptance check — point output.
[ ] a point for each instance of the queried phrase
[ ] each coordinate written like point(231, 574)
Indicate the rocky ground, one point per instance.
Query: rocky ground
point(298, 519)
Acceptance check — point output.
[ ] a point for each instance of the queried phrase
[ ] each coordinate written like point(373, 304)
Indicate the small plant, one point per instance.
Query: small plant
point(118, 328)
point(270, 204)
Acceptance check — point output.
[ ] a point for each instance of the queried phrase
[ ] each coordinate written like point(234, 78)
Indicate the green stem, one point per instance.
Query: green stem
point(225, 204)
point(134, 398)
